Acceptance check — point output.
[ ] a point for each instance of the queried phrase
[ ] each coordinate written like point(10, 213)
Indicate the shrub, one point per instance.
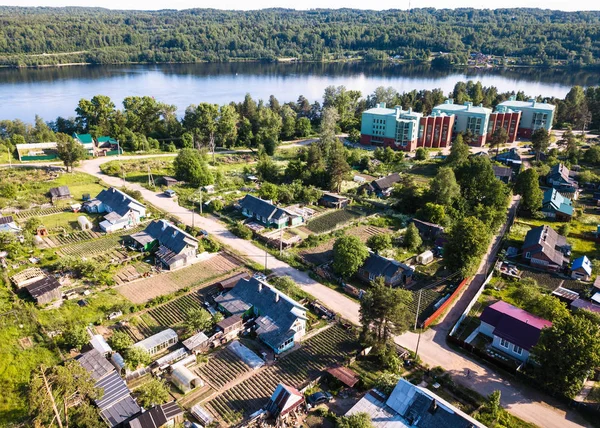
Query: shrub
point(240, 230)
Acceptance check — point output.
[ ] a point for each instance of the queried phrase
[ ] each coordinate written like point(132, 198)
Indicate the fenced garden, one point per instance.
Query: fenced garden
point(222, 367)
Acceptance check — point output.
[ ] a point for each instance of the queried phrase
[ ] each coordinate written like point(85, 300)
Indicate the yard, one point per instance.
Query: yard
point(331, 220)
point(143, 290)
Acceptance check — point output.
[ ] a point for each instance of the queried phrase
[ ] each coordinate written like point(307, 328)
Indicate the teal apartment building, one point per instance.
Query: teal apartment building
point(534, 115)
point(467, 117)
point(390, 127)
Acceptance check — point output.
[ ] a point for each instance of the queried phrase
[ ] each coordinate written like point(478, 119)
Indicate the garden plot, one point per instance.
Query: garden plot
point(43, 212)
point(174, 312)
point(331, 220)
point(136, 328)
point(146, 289)
point(98, 246)
point(296, 369)
point(222, 367)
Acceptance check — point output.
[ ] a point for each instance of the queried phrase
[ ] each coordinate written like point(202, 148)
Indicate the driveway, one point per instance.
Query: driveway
point(339, 303)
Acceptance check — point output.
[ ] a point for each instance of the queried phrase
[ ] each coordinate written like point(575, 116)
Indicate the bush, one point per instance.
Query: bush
point(216, 205)
point(240, 230)
point(421, 154)
point(211, 245)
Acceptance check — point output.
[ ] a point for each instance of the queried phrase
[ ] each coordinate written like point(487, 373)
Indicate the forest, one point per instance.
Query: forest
point(50, 36)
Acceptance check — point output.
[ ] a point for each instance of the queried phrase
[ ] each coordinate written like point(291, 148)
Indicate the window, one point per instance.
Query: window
point(527, 255)
point(504, 343)
point(517, 350)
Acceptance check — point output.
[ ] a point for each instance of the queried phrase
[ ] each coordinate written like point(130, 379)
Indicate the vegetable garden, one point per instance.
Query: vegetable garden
point(221, 368)
point(174, 312)
point(331, 220)
point(325, 349)
point(24, 215)
point(97, 246)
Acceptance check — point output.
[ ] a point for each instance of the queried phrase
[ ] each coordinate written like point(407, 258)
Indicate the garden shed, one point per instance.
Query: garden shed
point(425, 258)
point(84, 223)
point(185, 379)
point(154, 344)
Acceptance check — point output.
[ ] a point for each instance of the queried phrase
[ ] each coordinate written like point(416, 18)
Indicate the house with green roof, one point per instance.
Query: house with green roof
point(556, 206)
point(86, 141)
point(108, 146)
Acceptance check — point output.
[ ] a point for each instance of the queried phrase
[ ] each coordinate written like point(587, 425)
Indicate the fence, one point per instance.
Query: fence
point(445, 305)
point(471, 304)
point(38, 158)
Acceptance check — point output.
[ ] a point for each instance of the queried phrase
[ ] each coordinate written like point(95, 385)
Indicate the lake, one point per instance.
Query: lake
point(52, 92)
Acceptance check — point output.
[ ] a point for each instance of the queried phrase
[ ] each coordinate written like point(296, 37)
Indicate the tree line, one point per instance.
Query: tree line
point(33, 36)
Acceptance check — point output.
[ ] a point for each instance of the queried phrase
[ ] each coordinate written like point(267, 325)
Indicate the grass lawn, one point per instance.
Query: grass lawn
point(68, 220)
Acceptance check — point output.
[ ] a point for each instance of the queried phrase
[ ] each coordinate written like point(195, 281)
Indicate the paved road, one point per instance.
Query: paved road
point(347, 308)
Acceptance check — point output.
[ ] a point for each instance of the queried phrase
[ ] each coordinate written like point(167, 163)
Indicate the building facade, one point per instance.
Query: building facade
point(467, 118)
point(435, 131)
point(390, 127)
point(505, 118)
point(534, 115)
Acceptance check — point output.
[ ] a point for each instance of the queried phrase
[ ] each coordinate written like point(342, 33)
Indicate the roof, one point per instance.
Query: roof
point(514, 104)
point(184, 375)
point(512, 154)
point(60, 192)
point(106, 139)
point(7, 219)
point(168, 235)
point(382, 266)
point(284, 399)
point(427, 228)
point(345, 375)
point(118, 201)
point(556, 201)
point(514, 324)
point(566, 294)
point(45, 285)
point(502, 171)
point(333, 197)
point(547, 241)
point(246, 355)
point(232, 281)
point(40, 146)
point(157, 339)
point(228, 322)
point(195, 341)
point(582, 263)
point(153, 418)
point(278, 312)
point(584, 304)
point(386, 182)
point(83, 138)
point(559, 170)
point(262, 208)
point(27, 276)
point(99, 344)
point(120, 411)
point(466, 107)
point(95, 363)
point(411, 406)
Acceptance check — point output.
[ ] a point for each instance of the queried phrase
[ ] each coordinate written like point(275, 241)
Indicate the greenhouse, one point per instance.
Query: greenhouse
point(156, 343)
point(185, 379)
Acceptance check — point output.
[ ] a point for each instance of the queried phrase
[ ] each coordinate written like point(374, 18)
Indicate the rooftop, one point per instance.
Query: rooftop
point(558, 202)
point(62, 191)
point(95, 363)
point(261, 208)
point(582, 263)
point(387, 181)
point(382, 266)
point(466, 107)
point(38, 288)
point(513, 103)
point(157, 339)
point(345, 375)
point(118, 201)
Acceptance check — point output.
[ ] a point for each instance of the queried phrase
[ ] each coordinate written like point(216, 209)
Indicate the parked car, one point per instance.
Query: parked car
point(170, 193)
point(319, 398)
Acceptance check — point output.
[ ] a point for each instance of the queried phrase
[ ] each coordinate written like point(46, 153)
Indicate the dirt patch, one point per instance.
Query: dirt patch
point(146, 289)
point(26, 342)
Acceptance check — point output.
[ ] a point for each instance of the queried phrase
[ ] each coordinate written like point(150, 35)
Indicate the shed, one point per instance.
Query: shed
point(45, 290)
point(196, 342)
point(285, 399)
point(185, 379)
point(158, 342)
point(231, 325)
point(27, 276)
point(169, 181)
point(344, 375)
point(425, 258)
point(201, 414)
point(84, 223)
point(209, 189)
point(59, 193)
point(99, 344)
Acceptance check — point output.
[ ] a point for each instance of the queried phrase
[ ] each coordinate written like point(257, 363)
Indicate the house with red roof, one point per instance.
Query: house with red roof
point(513, 331)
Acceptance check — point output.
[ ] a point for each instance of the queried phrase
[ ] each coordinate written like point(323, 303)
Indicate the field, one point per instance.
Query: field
point(330, 221)
point(105, 244)
point(41, 212)
point(136, 170)
point(146, 289)
point(222, 367)
point(323, 350)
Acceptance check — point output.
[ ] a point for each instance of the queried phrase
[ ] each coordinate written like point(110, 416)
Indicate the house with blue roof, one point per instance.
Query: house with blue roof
point(581, 269)
point(556, 206)
point(559, 178)
point(268, 214)
point(122, 210)
point(173, 248)
point(280, 320)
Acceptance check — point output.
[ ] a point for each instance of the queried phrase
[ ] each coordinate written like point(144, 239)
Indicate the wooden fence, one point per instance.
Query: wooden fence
point(447, 303)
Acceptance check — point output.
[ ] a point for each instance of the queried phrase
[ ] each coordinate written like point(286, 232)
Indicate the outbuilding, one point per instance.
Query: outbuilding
point(156, 343)
point(185, 379)
point(84, 223)
point(425, 258)
point(45, 290)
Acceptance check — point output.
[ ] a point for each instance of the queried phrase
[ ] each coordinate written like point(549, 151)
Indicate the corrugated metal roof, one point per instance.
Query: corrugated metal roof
point(157, 339)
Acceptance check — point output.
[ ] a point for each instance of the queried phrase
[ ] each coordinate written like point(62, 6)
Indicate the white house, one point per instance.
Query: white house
point(122, 210)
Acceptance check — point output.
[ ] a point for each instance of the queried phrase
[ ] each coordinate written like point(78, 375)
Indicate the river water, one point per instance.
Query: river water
point(52, 92)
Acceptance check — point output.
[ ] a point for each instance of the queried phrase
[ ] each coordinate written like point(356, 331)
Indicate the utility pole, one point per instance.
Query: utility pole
point(150, 178)
point(193, 211)
point(416, 322)
point(9, 158)
point(58, 419)
point(200, 189)
point(266, 254)
point(280, 242)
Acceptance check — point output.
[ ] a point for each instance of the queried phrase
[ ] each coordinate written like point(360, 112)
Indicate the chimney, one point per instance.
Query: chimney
point(512, 98)
point(449, 101)
point(260, 286)
point(480, 104)
point(409, 110)
point(433, 407)
point(276, 297)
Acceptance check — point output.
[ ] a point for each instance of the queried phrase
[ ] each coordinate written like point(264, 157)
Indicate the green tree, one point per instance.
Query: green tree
point(240, 230)
point(421, 154)
point(357, 420)
point(527, 185)
point(75, 337)
point(433, 213)
point(379, 242)
point(190, 166)
point(152, 393)
point(337, 166)
point(412, 238)
point(136, 357)
point(227, 126)
point(268, 191)
point(96, 115)
point(327, 131)
point(349, 254)
point(540, 141)
point(592, 155)
point(443, 188)
point(498, 138)
point(354, 136)
point(120, 341)
point(266, 169)
point(384, 311)
point(467, 242)
point(8, 190)
point(303, 127)
point(269, 127)
point(197, 320)
point(70, 385)
point(459, 152)
point(69, 151)
point(566, 352)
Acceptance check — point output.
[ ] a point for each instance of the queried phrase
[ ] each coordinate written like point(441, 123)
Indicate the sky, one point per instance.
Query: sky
point(309, 4)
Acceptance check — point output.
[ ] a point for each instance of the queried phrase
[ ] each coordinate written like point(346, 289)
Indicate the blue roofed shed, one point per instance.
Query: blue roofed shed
point(581, 268)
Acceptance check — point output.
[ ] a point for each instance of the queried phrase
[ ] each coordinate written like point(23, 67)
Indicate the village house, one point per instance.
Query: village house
point(333, 200)
point(559, 178)
point(513, 331)
point(284, 402)
point(59, 193)
point(197, 343)
point(503, 173)
point(122, 210)
point(428, 231)
point(411, 406)
point(280, 322)
point(86, 141)
point(545, 249)
point(8, 225)
point(381, 187)
point(116, 405)
point(44, 290)
point(581, 269)
point(510, 157)
point(268, 214)
point(173, 248)
point(393, 272)
point(556, 206)
point(107, 146)
point(165, 415)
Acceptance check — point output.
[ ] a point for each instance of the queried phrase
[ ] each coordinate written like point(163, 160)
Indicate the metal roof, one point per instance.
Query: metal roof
point(95, 363)
point(40, 287)
point(195, 341)
point(120, 411)
point(99, 344)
